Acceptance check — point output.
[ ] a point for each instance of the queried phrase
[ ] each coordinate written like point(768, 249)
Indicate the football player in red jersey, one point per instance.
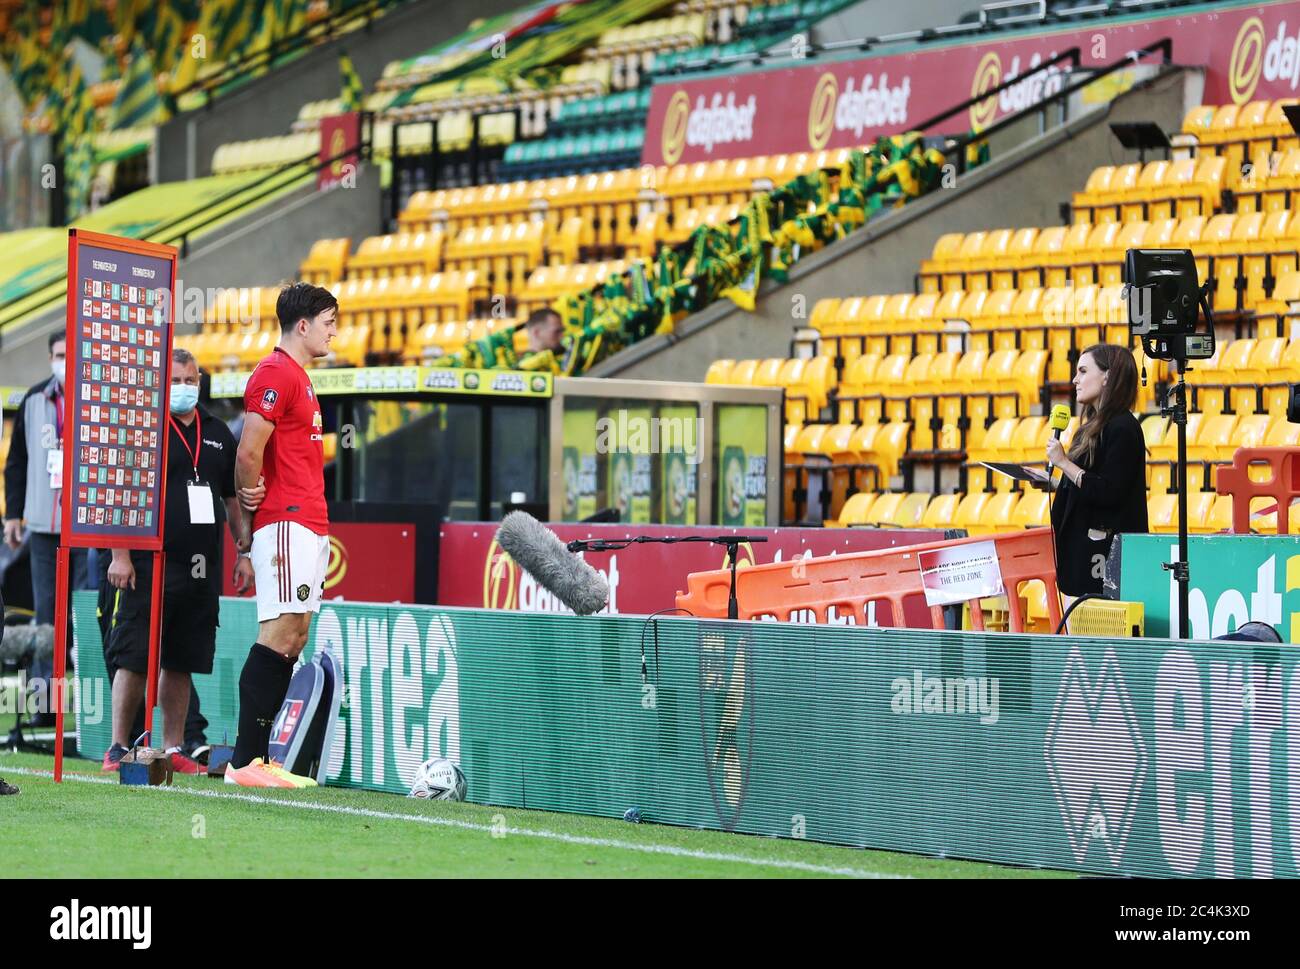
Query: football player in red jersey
point(280, 474)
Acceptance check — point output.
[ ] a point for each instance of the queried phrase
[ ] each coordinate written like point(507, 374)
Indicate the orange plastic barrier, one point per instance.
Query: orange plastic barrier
point(849, 582)
point(1284, 485)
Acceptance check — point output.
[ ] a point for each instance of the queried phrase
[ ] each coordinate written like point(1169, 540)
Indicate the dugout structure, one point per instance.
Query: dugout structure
point(465, 441)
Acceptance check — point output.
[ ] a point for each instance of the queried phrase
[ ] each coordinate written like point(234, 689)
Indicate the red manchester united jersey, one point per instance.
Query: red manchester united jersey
point(293, 463)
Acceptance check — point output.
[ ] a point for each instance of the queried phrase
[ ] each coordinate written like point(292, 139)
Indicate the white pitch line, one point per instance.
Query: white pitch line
point(486, 828)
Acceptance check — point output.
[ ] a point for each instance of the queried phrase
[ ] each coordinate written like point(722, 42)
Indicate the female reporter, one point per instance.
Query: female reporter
point(1102, 491)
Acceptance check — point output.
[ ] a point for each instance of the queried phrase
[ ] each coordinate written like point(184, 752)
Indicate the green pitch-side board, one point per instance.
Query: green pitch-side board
point(1235, 579)
point(1135, 757)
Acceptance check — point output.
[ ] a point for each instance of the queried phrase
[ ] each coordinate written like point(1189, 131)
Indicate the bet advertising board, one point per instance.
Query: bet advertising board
point(1248, 52)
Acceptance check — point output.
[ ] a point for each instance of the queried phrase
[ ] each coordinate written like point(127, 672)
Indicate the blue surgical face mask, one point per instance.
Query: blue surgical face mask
point(183, 398)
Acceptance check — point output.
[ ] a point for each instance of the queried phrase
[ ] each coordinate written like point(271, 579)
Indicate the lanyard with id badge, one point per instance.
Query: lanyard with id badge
point(54, 456)
point(199, 495)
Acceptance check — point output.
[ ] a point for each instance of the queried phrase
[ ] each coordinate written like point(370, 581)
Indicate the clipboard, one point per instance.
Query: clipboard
point(1017, 472)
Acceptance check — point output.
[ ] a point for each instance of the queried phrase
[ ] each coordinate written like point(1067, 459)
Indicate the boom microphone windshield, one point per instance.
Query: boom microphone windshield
point(23, 644)
point(541, 554)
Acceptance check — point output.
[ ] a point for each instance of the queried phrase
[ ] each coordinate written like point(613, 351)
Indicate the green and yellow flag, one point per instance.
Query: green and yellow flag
point(75, 118)
point(137, 102)
point(233, 24)
point(353, 91)
point(168, 37)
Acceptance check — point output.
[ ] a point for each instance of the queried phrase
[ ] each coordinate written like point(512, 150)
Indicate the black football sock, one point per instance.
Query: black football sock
point(262, 688)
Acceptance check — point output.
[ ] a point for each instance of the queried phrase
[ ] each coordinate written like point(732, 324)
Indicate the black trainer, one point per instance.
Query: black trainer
point(6, 788)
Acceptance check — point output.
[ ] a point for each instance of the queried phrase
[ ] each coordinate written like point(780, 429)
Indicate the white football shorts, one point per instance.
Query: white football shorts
point(289, 562)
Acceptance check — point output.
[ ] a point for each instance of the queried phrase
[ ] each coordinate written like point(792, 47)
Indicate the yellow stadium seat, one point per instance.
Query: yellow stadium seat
point(1215, 437)
point(882, 510)
point(400, 254)
point(743, 372)
point(350, 346)
point(813, 387)
point(823, 315)
point(718, 371)
point(998, 514)
point(1162, 513)
point(1197, 121)
point(768, 372)
point(325, 262)
point(1032, 510)
point(888, 446)
point(1029, 442)
point(1018, 252)
point(993, 444)
point(969, 509)
point(1133, 203)
point(1251, 431)
point(1220, 517)
point(857, 507)
point(941, 512)
point(946, 249)
point(858, 382)
point(1048, 250)
point(1084, 202)
point(791, 378)
point(910, 511)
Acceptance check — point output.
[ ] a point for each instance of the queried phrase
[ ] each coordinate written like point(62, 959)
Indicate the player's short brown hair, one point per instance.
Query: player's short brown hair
point(300, 301)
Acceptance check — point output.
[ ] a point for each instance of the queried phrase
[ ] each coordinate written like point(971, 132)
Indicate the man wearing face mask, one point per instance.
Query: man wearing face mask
point(200, 494)
point(34, 494)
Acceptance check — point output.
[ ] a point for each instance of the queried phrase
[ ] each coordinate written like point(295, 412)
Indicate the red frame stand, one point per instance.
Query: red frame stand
point(89, 381)
point(58, 687)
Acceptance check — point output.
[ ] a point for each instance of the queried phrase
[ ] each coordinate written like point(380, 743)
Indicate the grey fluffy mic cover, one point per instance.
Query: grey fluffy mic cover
point(22, 644)
point(541, 554)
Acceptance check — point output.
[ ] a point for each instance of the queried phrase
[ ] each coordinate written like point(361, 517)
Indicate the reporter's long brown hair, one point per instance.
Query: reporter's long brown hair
point(1118, 395)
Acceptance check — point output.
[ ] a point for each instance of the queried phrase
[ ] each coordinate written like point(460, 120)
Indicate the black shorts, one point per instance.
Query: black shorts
point(189, 625)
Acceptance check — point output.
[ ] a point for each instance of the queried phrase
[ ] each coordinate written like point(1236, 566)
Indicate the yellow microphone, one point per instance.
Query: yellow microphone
point(1058, 422)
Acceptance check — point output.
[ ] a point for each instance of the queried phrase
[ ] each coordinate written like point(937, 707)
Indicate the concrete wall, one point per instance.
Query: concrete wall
point(269, 105)
point(1023, 186)
point(263, 248)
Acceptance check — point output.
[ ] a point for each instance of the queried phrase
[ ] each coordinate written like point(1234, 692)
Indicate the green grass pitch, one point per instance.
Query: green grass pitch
point(204, 828)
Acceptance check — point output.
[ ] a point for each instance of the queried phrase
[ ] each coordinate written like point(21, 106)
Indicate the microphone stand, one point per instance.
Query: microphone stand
point(731, 542)
point(1175, 407)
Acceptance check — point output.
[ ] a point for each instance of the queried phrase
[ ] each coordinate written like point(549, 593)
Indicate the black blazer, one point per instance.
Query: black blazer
point(1111, 498)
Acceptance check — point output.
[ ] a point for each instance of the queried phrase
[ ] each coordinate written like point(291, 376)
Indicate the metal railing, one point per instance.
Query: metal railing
point(1164, 47)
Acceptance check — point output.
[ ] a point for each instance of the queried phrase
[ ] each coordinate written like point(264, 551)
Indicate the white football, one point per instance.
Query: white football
point(439, 780)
